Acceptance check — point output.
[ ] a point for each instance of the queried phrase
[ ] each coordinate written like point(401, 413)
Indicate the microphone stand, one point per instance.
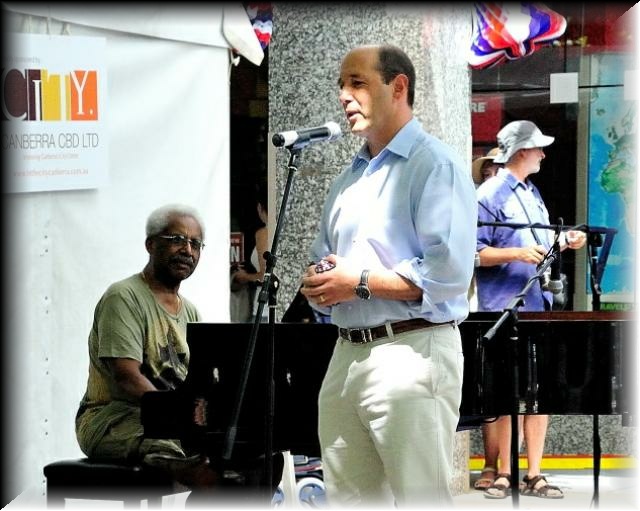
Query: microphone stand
point(597, 263)
point(268, 293)
point(554, 227)
point(594, 241)
point(511, 313)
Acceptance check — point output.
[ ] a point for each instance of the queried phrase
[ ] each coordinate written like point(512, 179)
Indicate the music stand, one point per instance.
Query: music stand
point(302, 353)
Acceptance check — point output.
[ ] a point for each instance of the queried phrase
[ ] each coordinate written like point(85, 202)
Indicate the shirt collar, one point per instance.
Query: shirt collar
point(400, 144)
point(511, 180)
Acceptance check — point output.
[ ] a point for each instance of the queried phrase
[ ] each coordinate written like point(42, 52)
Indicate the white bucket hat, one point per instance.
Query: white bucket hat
point(519, 135)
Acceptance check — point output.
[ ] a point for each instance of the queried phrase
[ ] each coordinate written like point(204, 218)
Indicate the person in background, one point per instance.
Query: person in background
point(482, 169)
point(507, 260)
point(253, 279)
point(394, 255)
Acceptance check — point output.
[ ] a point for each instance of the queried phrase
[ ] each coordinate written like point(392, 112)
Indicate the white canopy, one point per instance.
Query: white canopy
point(225, 25)
point(165, 119)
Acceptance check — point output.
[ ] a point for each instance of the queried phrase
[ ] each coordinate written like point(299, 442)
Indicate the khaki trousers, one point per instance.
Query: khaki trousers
point(388, 412)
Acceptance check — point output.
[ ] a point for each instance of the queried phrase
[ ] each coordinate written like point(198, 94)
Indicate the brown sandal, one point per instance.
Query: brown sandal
point(487, 476)
point(545, 491)
point(499, 490)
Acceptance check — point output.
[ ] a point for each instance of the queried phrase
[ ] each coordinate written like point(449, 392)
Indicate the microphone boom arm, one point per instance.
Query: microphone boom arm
point(518, 299)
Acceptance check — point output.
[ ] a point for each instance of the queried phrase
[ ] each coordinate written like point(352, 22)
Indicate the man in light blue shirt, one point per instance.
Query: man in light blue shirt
point(398, 230)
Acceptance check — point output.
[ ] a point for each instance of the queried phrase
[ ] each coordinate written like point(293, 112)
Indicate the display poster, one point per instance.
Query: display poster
point(612, 182)
point(54, 134)
point(486, 117)
point(236, 254)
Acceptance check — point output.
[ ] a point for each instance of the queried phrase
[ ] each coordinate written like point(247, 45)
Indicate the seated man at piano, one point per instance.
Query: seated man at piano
point(138, 345)
point(508, 257)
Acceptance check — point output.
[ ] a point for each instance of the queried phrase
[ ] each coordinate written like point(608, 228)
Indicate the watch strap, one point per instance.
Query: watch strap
point(364, 278)
point(362, 289)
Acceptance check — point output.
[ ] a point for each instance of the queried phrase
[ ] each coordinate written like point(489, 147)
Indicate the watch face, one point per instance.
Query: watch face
point(363, 292)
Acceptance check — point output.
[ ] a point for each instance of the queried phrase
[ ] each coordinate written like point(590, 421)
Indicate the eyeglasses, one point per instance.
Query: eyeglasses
point(180, 240)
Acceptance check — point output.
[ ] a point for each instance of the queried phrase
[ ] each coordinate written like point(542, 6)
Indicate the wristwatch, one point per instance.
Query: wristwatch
point(362, 289)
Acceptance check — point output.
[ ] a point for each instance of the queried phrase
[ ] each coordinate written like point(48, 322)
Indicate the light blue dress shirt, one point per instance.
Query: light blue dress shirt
point(411, 209)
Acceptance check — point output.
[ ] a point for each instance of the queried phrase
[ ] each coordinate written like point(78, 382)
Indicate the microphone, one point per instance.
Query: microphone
point(297, 139)
point(554, 284)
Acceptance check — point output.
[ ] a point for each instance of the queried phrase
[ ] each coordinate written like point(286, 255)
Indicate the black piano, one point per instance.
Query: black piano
point(568, 363)
point(217, 353)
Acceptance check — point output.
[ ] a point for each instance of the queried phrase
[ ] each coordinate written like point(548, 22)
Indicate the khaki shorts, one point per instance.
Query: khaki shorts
point(115, 431)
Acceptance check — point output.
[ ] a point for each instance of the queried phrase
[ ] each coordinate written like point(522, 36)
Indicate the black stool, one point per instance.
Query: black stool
point(106, 480)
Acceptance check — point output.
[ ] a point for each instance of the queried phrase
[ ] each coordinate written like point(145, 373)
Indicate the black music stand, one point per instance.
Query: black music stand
point(302, 353)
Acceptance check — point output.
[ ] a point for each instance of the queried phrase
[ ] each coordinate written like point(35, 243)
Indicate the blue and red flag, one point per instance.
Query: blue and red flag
point(261, 17)
point(509, 31)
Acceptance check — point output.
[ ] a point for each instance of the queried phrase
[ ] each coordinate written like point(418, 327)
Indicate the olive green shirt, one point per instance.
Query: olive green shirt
point(130, 323)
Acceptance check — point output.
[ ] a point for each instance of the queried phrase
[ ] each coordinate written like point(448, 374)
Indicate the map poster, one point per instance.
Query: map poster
point(612, 185)
point(54, 134)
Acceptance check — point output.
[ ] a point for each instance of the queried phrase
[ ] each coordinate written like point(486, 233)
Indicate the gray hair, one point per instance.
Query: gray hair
point(160, 218)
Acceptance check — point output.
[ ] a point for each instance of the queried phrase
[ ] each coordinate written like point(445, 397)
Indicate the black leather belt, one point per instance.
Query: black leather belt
point(365, 335)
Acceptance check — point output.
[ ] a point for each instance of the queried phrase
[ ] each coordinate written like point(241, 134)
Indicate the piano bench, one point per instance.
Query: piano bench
point(93, 479)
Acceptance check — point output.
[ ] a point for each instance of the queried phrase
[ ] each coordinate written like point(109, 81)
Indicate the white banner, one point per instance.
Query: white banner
point(165, 114)
point(53, 112)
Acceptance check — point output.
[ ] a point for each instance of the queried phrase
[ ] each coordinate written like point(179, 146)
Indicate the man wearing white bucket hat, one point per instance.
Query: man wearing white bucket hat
point(519, 135)
point(508, 259)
